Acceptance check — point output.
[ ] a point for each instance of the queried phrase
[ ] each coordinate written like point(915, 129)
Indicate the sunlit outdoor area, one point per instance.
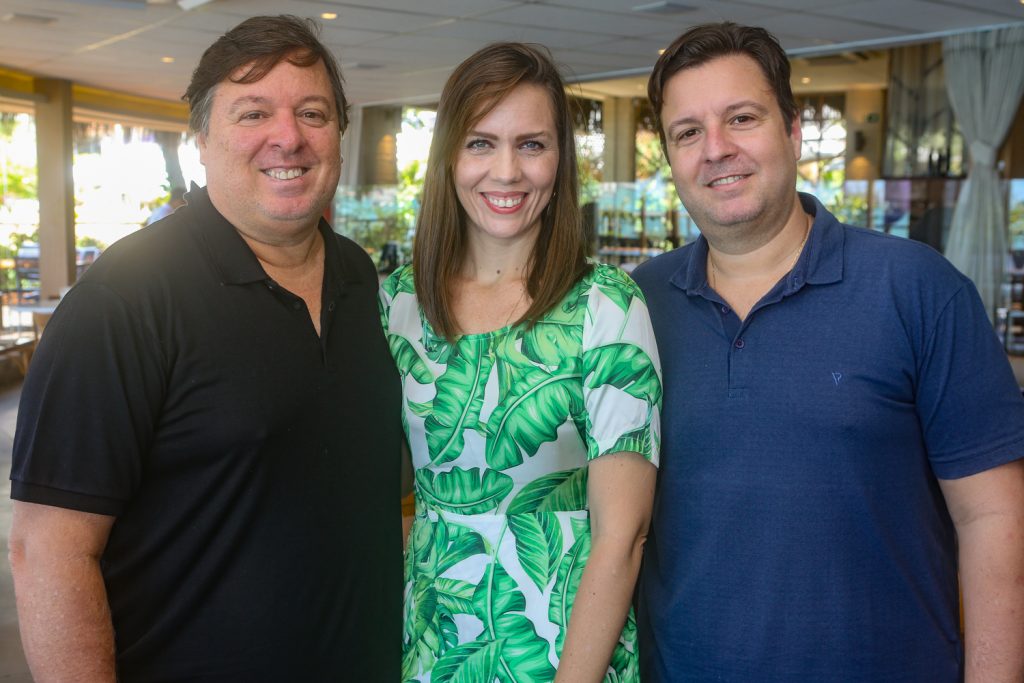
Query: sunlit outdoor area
point(122, 174)
point(382, 218)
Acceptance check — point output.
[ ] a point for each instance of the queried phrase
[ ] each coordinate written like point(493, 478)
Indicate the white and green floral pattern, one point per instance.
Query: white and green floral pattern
point(501, 427)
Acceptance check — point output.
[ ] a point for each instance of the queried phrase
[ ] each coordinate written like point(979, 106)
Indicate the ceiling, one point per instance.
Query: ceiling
point(402, 50)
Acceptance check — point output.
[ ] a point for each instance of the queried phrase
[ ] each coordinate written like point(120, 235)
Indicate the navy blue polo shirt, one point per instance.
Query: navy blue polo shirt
point(799, 532)
point(251, 464)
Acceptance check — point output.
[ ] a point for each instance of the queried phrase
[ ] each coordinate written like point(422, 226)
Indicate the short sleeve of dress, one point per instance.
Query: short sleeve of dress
point(386, 295)
point(620, 367)
point(403, 326)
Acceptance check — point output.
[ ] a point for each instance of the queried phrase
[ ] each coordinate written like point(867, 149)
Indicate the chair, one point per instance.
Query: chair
point(39, 321)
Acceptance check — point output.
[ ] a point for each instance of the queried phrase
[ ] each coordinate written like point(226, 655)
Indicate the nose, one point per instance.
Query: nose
point(285, 132)
point(718, 143)
point(507, 168)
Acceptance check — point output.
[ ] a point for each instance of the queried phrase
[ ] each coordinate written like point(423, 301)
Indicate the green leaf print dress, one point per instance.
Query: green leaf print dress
point(501, 427)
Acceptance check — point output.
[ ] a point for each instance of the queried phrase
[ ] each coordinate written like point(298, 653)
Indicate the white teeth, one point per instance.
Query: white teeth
point(726, 181)
point(284, 174)
point(505, 202)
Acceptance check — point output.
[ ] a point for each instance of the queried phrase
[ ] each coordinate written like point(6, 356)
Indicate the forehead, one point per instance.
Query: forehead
point(528, 104)
point(715, 85)
point(283, 81)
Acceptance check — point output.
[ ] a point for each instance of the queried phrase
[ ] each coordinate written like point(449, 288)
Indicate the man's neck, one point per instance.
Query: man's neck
point(296, 253)
point(743, 278)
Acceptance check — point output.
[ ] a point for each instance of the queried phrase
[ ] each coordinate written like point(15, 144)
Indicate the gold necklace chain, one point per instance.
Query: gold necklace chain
point(799, 249)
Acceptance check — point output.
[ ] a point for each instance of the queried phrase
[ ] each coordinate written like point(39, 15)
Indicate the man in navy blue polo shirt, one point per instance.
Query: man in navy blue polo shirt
point(842, 431)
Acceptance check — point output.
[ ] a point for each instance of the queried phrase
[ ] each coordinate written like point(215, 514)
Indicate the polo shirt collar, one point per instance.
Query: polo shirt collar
point(822, 260)
point(692, 275)
point(234, 261)
point(820, 263)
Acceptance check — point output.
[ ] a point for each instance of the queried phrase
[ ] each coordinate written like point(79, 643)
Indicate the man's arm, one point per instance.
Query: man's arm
point(62, 601)
point(988, 511)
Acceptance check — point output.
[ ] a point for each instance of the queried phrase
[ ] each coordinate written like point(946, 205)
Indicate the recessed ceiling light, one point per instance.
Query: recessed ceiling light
point(805, 80)
point(167, 60)
point(334, 15)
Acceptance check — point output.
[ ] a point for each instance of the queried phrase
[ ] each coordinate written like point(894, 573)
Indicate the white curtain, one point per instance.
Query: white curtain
point(985, 79)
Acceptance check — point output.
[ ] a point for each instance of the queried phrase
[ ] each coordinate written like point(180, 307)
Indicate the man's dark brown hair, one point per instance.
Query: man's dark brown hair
point(260, 43)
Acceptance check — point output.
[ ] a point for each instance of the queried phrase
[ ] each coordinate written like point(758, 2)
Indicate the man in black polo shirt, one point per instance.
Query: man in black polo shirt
point(206, 467)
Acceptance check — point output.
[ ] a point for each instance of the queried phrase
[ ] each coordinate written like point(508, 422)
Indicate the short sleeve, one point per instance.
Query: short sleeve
point(89, 406)
point(385, 296)
point(968, 401)
point(621, 371)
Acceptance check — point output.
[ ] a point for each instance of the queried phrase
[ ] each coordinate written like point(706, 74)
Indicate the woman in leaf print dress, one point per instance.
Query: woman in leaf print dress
point(531, 397)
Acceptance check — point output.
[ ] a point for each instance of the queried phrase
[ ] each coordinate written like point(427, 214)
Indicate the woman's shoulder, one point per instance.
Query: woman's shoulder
point(609, 277)
point(602, 290)
point(400, 281)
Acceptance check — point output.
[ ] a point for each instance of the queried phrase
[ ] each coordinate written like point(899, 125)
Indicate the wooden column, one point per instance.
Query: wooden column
point(54, 149)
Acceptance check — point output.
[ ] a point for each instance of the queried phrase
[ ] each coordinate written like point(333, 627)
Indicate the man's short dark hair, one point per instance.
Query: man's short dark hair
point(260, 43)
point(705, 42)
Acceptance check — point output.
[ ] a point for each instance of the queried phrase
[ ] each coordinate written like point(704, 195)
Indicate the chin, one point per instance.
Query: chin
point(293, 212)
point(737, 215)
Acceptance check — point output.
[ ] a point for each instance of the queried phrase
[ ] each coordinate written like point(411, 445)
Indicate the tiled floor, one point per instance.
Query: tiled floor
point(13, 668)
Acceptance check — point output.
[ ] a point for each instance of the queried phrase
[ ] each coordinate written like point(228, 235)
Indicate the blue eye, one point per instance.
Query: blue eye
point(478, 143)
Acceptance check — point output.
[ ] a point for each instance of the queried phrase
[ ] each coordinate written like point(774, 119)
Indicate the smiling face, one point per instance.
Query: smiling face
point(272, 152)
point(506, 167)
point(733, 154)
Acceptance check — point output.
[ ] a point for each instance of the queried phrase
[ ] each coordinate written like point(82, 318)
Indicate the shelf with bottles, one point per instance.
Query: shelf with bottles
point(627, 237)
point(1009, 318)
point(627, 251)
point(1010, 328)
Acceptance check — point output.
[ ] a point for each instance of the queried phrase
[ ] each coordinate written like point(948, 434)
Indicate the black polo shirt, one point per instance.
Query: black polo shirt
point(252, 465)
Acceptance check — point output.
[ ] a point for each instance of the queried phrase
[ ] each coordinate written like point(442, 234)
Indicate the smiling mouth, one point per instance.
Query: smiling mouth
point(285, 173)
point(504, 202)
point(727, 180)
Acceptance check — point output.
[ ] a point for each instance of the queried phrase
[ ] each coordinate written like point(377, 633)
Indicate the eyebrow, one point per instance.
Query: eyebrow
point(746, 104)
point(728, 111)
point(492, 136)
point(247, 100)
